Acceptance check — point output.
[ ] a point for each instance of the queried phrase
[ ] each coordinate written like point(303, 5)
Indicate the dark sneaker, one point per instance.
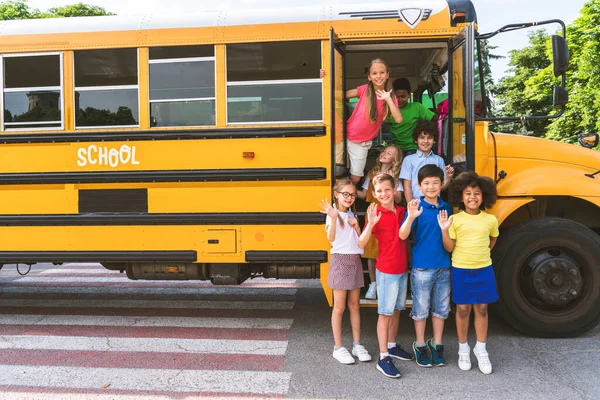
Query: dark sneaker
point(421, 355)
point(437, 353)
point(387, 367)
point(399, 353)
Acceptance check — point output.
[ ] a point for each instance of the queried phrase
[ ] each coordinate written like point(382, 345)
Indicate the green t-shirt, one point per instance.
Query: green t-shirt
point(402, 133)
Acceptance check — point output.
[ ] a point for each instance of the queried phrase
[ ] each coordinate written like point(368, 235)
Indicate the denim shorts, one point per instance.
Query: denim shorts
point(391, 292)
point(430, 290)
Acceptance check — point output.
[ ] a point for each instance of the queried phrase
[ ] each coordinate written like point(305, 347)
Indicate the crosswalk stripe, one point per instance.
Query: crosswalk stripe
point(195, 304)
point(110, 320)
point(159, 345)
point(215, 290)
point(120, 277)
point(151, 380)
point(104, 359)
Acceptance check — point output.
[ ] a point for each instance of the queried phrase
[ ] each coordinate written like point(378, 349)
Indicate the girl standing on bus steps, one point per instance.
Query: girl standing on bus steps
point(388, 162)
point(345, 268)
point(471, 235)
point(375, 103)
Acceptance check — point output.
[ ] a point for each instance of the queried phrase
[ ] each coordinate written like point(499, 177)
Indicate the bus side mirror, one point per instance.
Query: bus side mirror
point(560, 55)
point(588, 140)
point(560, 96)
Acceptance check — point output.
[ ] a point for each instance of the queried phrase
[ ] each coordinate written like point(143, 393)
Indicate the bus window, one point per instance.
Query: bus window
point(106, 88)
point(182, 86)
point(274, 82)
point(32, 92)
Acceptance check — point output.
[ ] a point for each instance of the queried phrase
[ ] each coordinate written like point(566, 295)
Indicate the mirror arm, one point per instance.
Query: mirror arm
point(515, 27)
point(505, 120)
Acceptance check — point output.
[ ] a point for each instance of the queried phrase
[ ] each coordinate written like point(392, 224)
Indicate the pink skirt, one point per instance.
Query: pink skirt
point(346, 272)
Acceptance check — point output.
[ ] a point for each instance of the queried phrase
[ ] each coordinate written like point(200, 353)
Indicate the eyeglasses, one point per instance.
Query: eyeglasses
point(348, 195)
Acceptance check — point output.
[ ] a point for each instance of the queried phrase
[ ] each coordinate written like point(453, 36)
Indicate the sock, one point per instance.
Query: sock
point(383, 355)
point(391, 345)
point(480, 347)
point(356, 344)
point(420, 344)
point(463, 347)
point(337, 348)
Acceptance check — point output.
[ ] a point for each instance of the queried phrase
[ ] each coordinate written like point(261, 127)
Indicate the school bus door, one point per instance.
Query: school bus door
point(461, 139)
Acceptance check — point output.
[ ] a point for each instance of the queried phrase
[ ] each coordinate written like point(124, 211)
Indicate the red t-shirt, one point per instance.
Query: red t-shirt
point(392, 257)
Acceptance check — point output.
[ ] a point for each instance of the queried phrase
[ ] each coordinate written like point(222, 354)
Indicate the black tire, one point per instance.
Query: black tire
point(548, 275)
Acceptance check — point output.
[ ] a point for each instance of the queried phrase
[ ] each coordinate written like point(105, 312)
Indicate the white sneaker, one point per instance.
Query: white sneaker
point(360, 352)
point(343, 356)
point(483, 361)
point(464, 361)
point(372, 291)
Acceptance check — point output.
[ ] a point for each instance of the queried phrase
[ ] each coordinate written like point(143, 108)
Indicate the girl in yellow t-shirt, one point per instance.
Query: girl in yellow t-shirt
point(470, 235)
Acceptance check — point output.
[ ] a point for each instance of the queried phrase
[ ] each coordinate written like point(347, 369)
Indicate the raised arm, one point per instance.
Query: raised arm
point(332, 212)
point(351, 93)
point(372, 219)
point(413, 212)
point(445, 222)
point(394, 110)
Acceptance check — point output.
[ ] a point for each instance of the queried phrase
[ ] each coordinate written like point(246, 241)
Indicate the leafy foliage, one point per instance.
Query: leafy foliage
point(19, 9)
point(526, 90)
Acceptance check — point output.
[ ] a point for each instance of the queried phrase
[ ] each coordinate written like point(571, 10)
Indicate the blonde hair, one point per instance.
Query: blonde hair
point(339, 184)
point(396, 164)
point(371, 102)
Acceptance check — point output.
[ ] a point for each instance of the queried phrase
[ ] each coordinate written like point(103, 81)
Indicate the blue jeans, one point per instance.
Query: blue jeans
point(391, 292)
point(430, 290)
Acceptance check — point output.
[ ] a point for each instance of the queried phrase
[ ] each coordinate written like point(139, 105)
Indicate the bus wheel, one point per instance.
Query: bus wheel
point(548, 273)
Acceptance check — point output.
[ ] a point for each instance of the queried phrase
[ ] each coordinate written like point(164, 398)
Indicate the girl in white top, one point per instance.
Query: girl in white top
point(345, 268)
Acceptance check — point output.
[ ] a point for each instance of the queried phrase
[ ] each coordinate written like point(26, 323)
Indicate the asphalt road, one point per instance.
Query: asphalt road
point(92, 334)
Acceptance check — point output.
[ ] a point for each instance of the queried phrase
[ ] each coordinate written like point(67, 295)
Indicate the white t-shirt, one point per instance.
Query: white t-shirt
point(346, 238)
point(367, 180)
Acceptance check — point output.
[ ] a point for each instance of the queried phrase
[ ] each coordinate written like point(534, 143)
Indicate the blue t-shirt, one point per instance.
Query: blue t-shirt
point(427, 246)
point(413, 163)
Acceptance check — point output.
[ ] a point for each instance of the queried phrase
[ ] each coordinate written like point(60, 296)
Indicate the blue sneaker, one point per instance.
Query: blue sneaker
point(399, 353)
point(437, 353)
point(422, 356)
point(387, 367)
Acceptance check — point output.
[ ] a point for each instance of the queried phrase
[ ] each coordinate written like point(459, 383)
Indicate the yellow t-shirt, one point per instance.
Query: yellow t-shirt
point(472, 234)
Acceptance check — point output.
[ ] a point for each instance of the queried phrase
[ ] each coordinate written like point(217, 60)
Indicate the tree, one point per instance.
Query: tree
point(526, 90)
point(19, 9)
point(77, 10)
point(490, 87)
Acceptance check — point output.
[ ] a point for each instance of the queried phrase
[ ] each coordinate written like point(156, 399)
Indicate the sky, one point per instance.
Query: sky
point(492, 14)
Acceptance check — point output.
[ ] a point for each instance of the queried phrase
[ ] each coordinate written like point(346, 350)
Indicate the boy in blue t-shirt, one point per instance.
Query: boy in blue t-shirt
point(430, 266)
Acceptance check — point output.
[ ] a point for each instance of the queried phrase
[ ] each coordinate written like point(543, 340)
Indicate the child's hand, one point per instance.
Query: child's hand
point(328, 209)
point(383, 95)
point(444, 221)
point(449, 171)
point(353, 222)
point(322, 73)
point(413, 208)
point(372, 214)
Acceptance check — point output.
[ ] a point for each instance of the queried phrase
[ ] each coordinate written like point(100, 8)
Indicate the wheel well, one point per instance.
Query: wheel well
point(570, 208)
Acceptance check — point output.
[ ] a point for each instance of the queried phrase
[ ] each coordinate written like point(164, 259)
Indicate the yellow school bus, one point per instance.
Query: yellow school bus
point(199, 146)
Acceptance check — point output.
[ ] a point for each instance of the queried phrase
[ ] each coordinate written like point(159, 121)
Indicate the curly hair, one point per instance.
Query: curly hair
point(426, 127)
point(396, 164)
point(471, 179)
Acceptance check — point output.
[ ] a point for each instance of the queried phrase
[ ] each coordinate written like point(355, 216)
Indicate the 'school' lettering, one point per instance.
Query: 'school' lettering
point(106, 156)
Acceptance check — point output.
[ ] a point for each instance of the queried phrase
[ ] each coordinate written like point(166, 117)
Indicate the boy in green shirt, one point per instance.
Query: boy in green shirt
point(402, 133)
